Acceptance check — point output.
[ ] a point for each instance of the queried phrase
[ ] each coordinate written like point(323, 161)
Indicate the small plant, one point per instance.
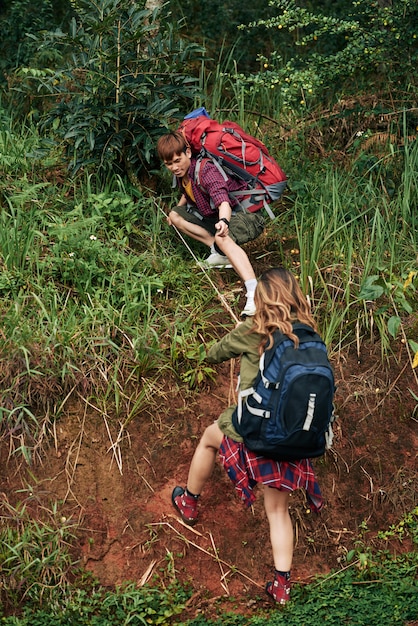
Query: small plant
point(200, 372)
point(406, 527)
point(35, 555)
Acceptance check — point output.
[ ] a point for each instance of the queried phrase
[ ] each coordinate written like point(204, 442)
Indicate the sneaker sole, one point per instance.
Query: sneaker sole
point(215, 267)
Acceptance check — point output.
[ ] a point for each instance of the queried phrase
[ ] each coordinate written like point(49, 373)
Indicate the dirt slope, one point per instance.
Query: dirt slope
point(120, 494)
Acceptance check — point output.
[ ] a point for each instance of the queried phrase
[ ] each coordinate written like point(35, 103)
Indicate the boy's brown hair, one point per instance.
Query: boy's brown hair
point(171, 144)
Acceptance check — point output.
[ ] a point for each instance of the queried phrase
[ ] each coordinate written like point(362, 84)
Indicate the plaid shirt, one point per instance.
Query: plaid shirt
point(213, 188)
point(246, 469)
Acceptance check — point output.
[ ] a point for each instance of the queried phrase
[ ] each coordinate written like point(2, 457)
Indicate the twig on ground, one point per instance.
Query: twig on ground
point(146, 575)
point(220, 561)
point(223, 574)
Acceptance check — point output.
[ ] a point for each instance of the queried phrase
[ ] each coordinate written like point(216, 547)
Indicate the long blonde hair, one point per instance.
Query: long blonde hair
point(279, 301)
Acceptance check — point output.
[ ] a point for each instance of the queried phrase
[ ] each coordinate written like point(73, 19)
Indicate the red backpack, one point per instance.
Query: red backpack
point(236, 154)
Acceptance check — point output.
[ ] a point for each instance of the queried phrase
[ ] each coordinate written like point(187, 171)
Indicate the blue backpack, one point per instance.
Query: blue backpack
point(288, 413)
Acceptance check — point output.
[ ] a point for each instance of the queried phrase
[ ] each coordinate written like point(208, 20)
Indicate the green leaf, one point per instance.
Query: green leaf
point(394, 323)
point(370, 290)
point(413, 344)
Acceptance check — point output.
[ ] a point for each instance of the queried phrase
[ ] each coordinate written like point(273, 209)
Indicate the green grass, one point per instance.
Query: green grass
point(91, 274)
point(100, 300)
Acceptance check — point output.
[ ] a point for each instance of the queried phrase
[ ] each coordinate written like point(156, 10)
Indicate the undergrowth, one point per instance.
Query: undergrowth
point(98, 607)
point(382, 589)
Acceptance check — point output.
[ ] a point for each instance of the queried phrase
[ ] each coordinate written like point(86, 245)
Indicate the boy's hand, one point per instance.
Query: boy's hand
point(222, 228)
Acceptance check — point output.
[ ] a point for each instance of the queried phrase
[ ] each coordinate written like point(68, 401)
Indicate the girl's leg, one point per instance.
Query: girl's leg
point(276, 504)
point(185, 500)
point(204, 459)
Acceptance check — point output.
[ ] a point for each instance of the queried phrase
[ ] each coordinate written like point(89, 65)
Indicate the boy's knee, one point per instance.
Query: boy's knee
point(223, 243)
point(175, 218)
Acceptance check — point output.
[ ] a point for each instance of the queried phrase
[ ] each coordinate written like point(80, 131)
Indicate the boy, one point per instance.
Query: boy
point(208, 214)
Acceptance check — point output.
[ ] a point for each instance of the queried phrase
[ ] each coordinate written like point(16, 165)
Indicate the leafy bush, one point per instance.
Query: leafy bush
point(123, 73)
point(374, 41)
point(21, 22)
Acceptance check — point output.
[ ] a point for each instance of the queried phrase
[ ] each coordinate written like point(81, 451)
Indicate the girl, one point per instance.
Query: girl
point(279, 302)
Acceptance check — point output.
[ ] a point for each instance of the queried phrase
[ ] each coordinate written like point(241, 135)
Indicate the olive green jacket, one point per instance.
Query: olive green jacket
point(238, 343)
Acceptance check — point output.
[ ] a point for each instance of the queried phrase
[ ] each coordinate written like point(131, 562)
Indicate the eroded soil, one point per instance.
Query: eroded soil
point(117, 486)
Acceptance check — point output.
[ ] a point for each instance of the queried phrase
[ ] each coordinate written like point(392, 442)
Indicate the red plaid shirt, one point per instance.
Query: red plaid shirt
point(246, 469)
point(213, 188)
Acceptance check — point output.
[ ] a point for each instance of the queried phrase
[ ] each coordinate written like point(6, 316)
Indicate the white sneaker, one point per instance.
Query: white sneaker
point(216, 260)
point(249, 309)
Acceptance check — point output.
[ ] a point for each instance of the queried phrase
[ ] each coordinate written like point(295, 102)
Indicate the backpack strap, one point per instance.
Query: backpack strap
point(302, 326)
point(304, 331)
point(244, 204)
point(202, 159)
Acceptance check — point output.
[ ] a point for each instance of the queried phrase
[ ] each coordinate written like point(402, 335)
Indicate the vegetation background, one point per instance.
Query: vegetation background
point(101, 307)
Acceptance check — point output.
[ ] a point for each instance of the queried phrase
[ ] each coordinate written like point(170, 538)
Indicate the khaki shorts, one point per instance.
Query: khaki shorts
point(243, 226)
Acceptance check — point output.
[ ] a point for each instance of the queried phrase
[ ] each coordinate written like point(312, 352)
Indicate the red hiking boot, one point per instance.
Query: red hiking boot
point(279, 589)
point(186, 505)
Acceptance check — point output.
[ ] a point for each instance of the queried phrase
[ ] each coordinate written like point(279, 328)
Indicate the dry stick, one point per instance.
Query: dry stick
point(145, 576)
point(215, 288)
point(191, 543)
point(327, 578)
point(70, 478)
point(223, 574)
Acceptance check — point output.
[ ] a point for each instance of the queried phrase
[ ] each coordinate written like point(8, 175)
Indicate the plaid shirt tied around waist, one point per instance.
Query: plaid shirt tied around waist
point(246, 469)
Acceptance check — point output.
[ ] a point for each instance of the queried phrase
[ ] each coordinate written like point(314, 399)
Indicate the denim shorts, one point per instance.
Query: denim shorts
point(243, 226)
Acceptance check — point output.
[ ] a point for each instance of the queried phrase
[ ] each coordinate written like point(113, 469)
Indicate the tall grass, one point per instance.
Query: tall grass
point(348, 230)
point(91, 281)
point(36, 561)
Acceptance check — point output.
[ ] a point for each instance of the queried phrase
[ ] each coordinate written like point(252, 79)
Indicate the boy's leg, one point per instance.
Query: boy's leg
point(237, 256)
point(242, 265)
point(244, 227)
point(202, 230)
point(190, 226)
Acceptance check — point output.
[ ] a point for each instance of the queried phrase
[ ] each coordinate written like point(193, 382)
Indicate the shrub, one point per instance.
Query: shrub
point(375, 42)
point(125, 71)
